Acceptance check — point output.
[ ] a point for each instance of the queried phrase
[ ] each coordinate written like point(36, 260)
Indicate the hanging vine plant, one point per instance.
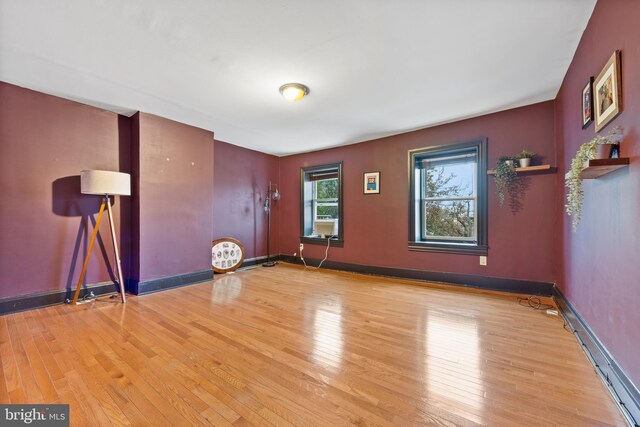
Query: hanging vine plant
point(573, 182)
point(505, 176)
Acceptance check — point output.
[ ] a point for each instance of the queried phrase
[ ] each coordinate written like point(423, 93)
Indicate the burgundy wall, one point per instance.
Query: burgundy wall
point(173, 170)
point(600, 269)
point(44, 144)
point(45, 223)
point(376, 226)
point(241, 179)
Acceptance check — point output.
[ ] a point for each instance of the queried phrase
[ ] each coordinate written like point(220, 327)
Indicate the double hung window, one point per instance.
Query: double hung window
point(448, 209)
point(321, 204)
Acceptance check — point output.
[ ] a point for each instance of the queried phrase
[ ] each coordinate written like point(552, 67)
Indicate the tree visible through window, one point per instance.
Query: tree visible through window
point(448, 189)
point(321, 204)
point(448, 198)
point(325, 199)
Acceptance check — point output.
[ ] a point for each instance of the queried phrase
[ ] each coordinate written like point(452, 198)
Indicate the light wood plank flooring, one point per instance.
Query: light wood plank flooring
point(287, 346)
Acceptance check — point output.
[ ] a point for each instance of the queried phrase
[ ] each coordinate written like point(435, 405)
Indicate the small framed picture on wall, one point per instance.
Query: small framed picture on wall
point(587, 104)
point(372, 183)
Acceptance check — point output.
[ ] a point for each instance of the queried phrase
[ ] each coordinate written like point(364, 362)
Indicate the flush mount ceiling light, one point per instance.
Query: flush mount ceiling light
point(294, 91)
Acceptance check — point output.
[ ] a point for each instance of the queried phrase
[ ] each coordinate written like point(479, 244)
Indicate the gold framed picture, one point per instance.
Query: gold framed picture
point(607, 92)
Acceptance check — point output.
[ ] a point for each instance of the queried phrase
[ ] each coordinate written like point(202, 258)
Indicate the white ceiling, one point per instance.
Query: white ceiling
point(374, 67)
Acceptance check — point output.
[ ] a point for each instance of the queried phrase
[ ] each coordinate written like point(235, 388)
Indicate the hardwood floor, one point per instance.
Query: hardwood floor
point(286, 346)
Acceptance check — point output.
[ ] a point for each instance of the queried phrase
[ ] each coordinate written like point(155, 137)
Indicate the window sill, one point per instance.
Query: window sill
point(448, 248)
point(335, 242)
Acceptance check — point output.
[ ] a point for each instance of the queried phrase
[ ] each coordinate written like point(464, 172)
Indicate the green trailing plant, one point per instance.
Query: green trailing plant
point(505, 176)
point(524, 154)
point(586, 152)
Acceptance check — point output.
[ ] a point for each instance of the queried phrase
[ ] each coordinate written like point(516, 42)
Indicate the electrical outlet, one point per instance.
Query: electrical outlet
point(483, 260)
point(301, 247)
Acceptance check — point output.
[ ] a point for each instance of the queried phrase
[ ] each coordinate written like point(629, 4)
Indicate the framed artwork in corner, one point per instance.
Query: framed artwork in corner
point(587, 104)
point(607, 92)
point(372, 183)
point(227, 255)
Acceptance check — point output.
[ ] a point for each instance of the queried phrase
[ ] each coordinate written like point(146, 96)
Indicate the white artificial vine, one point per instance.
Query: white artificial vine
point(573, 182)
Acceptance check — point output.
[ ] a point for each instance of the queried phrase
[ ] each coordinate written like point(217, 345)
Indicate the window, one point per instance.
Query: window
point(321, 204)
point(448, 198)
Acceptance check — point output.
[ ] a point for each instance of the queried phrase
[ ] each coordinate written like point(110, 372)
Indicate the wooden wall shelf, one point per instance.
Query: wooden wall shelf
point(527, 169)
point(599, 167)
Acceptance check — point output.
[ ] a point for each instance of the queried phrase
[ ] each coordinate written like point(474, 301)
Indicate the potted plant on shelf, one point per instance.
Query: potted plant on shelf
point(505, 176)
point(587, 151)
point(524, 157)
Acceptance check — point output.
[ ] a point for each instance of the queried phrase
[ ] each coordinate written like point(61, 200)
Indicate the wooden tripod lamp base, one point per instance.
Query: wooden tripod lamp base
point(104, 183)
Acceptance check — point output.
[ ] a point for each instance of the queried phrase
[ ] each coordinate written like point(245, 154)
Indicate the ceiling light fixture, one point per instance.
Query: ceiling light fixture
point(294, 91)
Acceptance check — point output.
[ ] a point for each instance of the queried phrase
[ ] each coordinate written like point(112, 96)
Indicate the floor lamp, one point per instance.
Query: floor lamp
point(106, 184)
point(272, 195)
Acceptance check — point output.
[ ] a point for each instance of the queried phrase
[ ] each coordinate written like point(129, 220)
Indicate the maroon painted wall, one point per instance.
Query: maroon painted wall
point(173, 196)
point(376, 226)
point(45, 222)
point(600, 269)
point(179, 206)
point(241, 179)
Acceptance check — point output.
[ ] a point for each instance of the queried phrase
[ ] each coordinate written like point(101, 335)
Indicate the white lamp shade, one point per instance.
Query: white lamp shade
point(105, 182)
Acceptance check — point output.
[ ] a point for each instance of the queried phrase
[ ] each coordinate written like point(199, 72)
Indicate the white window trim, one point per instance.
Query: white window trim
point(473, 197)
point(316, 203)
